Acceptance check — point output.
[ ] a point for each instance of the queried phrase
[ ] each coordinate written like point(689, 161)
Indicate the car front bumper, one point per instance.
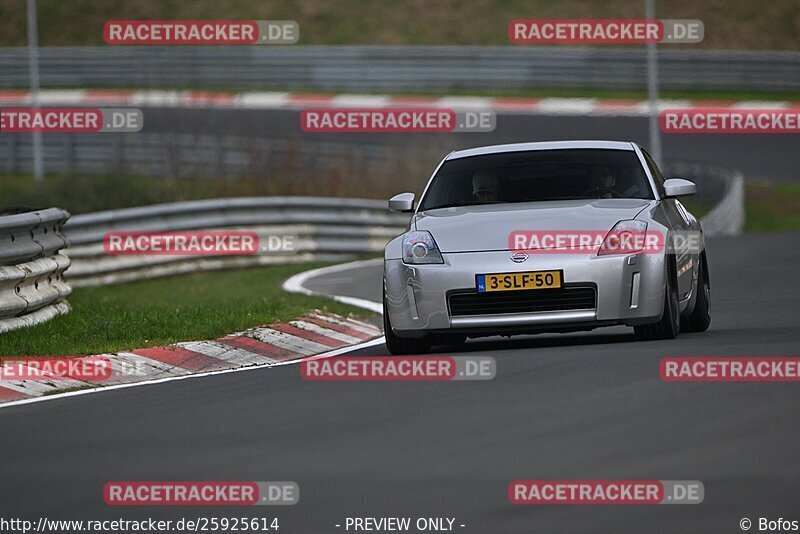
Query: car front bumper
point(629, 290)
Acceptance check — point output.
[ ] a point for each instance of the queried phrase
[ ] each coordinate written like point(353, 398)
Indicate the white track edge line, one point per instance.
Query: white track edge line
point(329, 354)
point(295, 283)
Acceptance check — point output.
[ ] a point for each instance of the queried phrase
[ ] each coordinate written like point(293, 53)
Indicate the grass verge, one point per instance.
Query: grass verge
point(771, 207)
point(87, 193)
point(167, 310)
point(729, 24)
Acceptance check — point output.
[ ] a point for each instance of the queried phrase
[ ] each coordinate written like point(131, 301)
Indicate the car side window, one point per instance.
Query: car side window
point(658, 178)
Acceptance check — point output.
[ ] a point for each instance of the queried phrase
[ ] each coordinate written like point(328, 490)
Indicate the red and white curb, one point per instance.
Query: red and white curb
point(318, 334)
point(282, 100)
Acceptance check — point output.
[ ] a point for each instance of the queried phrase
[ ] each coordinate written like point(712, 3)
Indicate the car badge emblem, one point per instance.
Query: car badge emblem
point(519, 257)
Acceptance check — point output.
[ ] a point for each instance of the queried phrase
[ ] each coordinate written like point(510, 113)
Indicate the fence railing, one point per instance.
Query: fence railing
point(32, 286)
point(319, 228)
point(399, 68)
point(178, 155)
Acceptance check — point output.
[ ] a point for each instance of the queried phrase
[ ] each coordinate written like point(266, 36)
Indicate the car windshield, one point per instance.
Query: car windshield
point(538, 175)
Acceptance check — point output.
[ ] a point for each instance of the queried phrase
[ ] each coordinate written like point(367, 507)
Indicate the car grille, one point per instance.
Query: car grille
point(537, 300)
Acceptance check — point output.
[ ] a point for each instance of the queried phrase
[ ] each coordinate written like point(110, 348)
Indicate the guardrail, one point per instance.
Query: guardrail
point(719, 187)
point(321, 228)
point(381, 68)
point(191, 155)
point(32, 286)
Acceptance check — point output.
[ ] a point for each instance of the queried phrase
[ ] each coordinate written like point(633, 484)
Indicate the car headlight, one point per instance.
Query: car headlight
point(627, 237)
point(419, 247)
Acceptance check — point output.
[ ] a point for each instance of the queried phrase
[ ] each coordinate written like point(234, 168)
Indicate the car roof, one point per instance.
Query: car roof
point(543, 145)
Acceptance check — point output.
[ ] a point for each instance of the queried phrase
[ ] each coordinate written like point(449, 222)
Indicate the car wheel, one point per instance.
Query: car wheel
point(700, 318)
point(670, 323)
point(400, 346)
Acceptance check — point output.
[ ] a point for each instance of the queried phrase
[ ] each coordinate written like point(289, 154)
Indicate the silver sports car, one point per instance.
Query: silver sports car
point(545, 237)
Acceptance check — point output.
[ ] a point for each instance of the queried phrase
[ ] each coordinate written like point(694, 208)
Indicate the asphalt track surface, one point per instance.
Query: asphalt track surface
point(758, 156)
point(568, 406)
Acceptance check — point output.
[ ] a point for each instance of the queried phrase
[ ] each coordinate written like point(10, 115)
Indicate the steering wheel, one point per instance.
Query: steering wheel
point(596, 191)
point(612, 192)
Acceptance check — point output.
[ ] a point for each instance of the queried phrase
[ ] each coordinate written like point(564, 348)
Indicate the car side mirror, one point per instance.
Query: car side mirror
point(403, 202)
point(678, 187)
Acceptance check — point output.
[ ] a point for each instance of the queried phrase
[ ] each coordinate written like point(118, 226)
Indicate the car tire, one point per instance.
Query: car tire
point(700, 318)
point(400, 346)
point(670, 323)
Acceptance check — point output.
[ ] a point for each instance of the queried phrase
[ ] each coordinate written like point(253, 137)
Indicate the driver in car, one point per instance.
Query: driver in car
point(484, 186)
point(603, 181)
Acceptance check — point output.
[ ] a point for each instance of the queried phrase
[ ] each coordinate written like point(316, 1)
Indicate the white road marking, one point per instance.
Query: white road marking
point(328, 354)
point(311, 327)
point(260, 100)
point(295, 284)
point(225, 352)
point(76, 96)
point(278, 100)
point(29, 387)
point(366, 101)
point(760, 104)
point(465, 102)
point(287, 341)
point(368, 330)
point(147, 366)
point(571, 106)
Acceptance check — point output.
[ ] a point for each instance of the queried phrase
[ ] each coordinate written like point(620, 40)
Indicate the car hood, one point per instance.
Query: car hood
point(488, 227)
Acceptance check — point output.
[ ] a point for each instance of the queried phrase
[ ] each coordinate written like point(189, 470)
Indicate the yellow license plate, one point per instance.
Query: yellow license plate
point(519, 281)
